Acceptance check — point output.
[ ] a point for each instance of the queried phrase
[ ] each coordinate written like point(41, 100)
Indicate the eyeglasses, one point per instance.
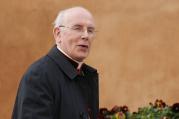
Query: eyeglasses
point(80, 29)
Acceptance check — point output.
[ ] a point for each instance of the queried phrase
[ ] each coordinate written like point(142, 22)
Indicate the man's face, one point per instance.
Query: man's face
point(77, 34)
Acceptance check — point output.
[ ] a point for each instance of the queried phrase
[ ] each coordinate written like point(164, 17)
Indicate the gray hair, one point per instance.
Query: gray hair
point(59, 20)
point(60, 17)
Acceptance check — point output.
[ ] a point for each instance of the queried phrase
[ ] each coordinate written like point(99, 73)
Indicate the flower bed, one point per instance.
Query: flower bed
point(156, 110)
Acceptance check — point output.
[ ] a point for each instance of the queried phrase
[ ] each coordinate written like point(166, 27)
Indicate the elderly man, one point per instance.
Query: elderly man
point(60, 85)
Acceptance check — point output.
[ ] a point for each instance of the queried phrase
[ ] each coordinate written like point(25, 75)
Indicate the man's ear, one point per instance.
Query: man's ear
point(56, 32)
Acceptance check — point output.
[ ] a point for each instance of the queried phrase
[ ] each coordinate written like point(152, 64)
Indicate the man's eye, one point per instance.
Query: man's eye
point(77, 28)
point(90, 30)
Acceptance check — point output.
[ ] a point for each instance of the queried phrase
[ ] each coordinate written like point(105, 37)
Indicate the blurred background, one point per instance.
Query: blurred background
point(136, 49)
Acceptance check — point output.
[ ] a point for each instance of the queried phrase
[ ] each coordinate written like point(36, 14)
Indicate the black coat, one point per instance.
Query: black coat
point(52, 89)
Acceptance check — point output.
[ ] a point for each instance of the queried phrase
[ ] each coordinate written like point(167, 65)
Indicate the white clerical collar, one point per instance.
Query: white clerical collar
point(79, 63)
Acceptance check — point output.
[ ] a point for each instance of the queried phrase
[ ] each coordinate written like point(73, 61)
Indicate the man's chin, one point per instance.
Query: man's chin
point(81, 58)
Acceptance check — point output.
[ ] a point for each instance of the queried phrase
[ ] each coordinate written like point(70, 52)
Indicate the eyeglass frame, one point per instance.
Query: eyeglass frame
point(80, 29)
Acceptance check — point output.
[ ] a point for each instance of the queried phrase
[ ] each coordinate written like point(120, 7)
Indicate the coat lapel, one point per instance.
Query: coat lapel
point(62, 62)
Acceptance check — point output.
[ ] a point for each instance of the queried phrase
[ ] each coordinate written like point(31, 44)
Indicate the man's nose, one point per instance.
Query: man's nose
point(85, 34)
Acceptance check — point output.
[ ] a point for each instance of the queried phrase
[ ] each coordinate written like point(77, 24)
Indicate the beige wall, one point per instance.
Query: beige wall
point(136, 49)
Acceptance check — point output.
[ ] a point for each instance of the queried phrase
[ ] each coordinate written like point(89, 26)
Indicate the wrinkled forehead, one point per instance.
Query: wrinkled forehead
point(78, 16)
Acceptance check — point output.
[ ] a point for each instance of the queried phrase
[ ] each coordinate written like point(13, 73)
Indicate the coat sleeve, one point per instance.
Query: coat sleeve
point(34, 98)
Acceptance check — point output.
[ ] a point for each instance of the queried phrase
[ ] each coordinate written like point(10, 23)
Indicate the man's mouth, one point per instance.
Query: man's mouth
point(84, 46)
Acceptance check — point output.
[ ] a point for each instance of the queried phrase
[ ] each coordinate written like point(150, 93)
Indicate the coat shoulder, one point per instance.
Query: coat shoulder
point(41, 65)
point(90, 68)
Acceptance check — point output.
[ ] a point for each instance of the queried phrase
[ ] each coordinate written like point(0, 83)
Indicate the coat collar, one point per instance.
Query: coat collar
point(62, 62)
point(65, 65)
